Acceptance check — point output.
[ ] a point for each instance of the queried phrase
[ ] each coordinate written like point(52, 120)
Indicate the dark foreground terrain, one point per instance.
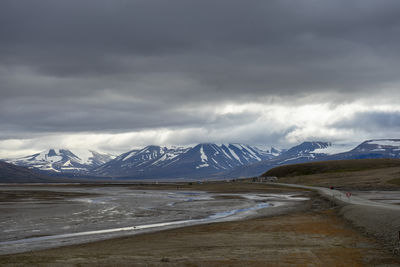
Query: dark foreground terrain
point(364, 174)
point(313, 235)
point(309, 238)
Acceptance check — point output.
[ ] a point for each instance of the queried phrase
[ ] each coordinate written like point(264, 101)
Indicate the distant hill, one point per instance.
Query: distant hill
point(357, 174)
point(333, 166)
point(10, 173)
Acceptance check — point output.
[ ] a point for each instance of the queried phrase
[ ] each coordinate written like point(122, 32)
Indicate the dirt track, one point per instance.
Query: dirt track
point(379, 219)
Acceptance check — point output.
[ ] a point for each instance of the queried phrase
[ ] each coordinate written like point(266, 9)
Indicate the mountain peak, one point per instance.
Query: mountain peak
point(379, 145)
point(308, 147)
point(62, 160)
point(202, 160)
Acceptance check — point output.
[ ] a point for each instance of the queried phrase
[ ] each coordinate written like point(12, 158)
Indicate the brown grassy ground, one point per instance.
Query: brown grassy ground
point(314, 238)
point(385, 178)
point(357, 174)
point(332, 166)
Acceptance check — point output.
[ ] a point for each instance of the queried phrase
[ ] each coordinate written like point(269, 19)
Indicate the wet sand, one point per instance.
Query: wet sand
point(36, 218)
point(311, 238)
point(311, 235)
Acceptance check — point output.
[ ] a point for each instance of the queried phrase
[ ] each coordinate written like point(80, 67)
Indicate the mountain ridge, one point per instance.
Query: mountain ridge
point(202, 160)
point(369, 149)
point(206, 160)
point(61, 160)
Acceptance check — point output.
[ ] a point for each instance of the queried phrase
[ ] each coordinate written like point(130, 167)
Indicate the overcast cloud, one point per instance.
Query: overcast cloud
point(113, 75)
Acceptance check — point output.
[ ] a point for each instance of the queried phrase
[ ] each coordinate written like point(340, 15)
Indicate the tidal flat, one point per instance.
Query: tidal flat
point(41, 217)
point(210, 224)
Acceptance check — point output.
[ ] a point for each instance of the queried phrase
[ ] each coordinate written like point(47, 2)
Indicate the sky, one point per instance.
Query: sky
point(122, 74)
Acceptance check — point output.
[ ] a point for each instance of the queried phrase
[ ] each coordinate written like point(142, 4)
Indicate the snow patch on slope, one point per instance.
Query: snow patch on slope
point(130, 155)
point(203, 156)
point(234, 155)
point(333, 149)
point(393, 143)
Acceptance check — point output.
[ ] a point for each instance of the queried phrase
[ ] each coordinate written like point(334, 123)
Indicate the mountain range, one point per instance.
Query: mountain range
point(323, 151)
point(206, 160)
point(63, 161)
point(203, 160)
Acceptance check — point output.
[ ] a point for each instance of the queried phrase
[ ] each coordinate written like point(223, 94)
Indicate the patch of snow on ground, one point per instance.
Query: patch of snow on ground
point(219, 165)
point(130, 155)
point(166, 156)
point(42, 156)
point(333, 149)
point(84, 155)
point(49, 168)
point(226, 154)
point(378, 150)
point(395, 143)
point(53, 159)
point(249, 150)
point(234, 155)
point(240, 147)
point(286, 160)
point(202, 166)
point(203, 156)
point(73, 168)
point(67, 163)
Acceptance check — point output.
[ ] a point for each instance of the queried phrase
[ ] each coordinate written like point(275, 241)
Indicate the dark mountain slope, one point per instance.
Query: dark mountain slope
point(10, 173)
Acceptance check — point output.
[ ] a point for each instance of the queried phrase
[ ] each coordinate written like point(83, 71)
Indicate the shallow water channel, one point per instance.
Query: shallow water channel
point(107, 212)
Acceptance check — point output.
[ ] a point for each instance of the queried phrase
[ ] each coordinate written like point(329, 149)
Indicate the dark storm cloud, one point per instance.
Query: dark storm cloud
point(372, 121)
point(71, 115)
point(170, 60)
point(248, 42)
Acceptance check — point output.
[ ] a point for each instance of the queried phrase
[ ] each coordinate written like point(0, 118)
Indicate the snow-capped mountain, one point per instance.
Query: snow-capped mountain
point(391, 146)
point(139, 161)
point(199, 161)
point(275, 151)
point(92, 158)
point(306, 151)
point(377, 148)
point(322, 151)
point(220, 157)
point(63, 160)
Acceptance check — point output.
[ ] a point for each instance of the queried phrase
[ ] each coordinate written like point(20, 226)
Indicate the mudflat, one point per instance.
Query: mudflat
point(47, 216)
point(312, 238)
point(314, 235)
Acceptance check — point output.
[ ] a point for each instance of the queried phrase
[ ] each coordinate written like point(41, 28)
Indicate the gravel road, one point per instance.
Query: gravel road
point(381, 220)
